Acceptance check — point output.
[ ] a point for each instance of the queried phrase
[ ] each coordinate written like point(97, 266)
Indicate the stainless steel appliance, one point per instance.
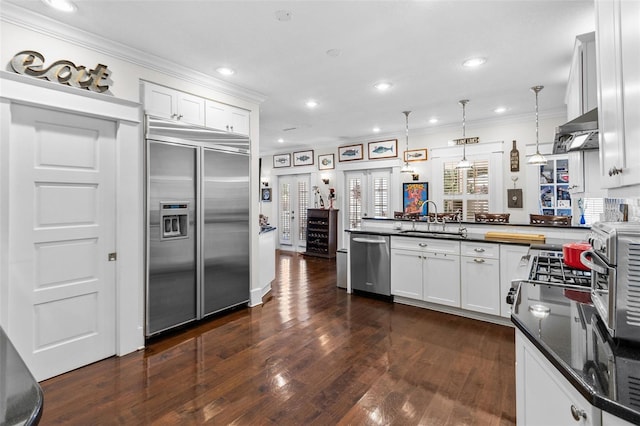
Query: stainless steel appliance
point(615, 283)
point(370, 263)
point(544, 266)
point(198, 223)
point(578, 134)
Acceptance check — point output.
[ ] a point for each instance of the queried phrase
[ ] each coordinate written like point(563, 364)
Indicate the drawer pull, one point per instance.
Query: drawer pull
point(478, 260)
point(478, 250)
point(577, 413)
point(422, 244)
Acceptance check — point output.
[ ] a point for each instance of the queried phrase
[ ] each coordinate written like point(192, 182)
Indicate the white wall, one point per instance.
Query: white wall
point(22, 30)
point(521, 129)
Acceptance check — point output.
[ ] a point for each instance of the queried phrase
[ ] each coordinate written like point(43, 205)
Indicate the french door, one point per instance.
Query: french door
point(293, 201)
point(368, 195)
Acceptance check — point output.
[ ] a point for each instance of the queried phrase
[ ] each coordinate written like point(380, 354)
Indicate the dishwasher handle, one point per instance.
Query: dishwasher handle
point(367, 240)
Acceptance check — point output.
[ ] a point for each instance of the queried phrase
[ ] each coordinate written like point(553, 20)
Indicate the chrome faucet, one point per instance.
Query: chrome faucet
point(435, 219)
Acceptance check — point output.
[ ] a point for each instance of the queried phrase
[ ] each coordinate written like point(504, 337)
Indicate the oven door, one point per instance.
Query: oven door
point(603, 288)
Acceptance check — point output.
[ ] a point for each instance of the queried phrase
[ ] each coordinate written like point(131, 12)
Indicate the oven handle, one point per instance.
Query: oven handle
point(590, 264)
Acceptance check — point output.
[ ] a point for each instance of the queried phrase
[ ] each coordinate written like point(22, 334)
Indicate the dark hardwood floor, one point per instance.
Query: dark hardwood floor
point(312, 354)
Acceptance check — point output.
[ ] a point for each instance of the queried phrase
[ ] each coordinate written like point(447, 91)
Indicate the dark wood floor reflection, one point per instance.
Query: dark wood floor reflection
point(310, 355)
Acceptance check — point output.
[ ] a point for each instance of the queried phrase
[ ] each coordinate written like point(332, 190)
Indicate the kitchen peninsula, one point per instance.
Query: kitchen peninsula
point(454, 267)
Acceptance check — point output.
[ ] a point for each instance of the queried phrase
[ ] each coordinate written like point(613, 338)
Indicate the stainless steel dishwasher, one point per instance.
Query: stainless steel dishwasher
point(370, 263)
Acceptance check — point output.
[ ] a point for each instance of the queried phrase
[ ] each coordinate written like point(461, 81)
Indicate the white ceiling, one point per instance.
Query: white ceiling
point(419, 46)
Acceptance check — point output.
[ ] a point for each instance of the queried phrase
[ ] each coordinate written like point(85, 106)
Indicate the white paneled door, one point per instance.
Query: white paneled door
point(62, 215)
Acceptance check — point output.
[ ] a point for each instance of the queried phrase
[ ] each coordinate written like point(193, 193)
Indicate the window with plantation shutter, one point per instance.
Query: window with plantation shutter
point(380, 196)
point(368, 193)
point(354, 185)
point(303, 202)
point(285, 212)
point(466, 190)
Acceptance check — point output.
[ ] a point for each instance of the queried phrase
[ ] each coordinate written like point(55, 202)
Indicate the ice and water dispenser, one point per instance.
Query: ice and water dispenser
point(174, 220)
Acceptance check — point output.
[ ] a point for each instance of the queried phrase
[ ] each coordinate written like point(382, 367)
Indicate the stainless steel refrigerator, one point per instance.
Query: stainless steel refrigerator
point(198, 223)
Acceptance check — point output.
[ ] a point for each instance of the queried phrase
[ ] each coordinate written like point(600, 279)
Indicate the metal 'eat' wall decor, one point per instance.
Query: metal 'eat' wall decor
point(31, 63)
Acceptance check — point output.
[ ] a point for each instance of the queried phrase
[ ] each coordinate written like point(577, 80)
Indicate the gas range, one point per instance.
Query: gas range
point(544, 266)
point(547, 267)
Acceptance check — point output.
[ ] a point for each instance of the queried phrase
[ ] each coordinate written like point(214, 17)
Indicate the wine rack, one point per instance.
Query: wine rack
point(322, 232)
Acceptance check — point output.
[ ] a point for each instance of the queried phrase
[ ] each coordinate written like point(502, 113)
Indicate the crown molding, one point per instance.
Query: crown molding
point(24, 18)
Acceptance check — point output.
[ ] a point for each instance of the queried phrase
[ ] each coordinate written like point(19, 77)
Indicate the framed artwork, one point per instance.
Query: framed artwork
point(265, 194)
point(350, 153)
point(415, 155)
point(414, 197)
point(383, 149)
point(326, 162)
point(281, 160)
point(303, 158)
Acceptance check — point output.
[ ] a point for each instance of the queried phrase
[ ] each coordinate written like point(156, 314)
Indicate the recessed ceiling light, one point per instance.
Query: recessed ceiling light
point(280, 140)
point(474, 62)
point(225, 71)
point(500, 110)
point(433, 120)
point(383, 85)
point(376, 130)
point(311, 103)
point(283, 15)
point(61, 5)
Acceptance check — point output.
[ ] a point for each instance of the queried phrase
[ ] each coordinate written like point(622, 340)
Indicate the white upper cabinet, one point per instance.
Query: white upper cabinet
point(228, 118)
point(581, 89)
point(617, 46)
point(164, 102)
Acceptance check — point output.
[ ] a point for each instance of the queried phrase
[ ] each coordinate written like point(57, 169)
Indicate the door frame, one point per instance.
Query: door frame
point(129, 196)
point(295, 246)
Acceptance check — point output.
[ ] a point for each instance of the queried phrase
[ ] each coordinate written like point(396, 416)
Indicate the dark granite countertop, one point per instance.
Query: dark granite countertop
point(21, 397)
point(475, 237)
point(573, 338)
point(506, 225)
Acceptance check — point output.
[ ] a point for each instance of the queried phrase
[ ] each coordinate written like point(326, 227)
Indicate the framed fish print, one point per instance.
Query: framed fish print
point(350, 153)
point(303, 158)
point(415, 155)
point(326, 162)
point(383, 149)
point(281, 160)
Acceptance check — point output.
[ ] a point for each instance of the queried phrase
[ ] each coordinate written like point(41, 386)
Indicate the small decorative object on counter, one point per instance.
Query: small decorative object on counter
point(321, 202)
point(332, 196)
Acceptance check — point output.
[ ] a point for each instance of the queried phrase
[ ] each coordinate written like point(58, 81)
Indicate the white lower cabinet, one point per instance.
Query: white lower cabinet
point(543, 396)
point(442, 278)
point(426, 269)
point(406, 273)
point(480, 277)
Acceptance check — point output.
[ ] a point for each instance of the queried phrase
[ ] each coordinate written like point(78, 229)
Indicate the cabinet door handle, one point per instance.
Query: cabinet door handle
point(478, 260)
point(478, 250)
point(615, 171)
point(577, 413)
point(422, 244)
point(232, 128)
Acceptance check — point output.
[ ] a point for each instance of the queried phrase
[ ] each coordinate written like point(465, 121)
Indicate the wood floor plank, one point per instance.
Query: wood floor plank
point(311, 354)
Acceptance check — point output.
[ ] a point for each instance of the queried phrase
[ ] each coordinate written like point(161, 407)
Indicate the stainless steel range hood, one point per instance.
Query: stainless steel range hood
point(578, 134)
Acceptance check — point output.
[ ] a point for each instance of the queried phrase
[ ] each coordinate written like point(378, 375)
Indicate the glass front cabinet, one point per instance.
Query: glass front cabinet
point(554, 184)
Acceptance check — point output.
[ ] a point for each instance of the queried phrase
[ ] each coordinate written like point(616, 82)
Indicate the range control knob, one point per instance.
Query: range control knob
point(511, 296)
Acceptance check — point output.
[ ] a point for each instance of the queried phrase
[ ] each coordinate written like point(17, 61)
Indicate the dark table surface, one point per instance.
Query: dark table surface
point(573, 338)
point(21, 397)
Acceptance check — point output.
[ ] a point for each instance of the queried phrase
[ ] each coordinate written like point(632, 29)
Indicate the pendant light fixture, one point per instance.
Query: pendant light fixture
point(537, 159)
point(464, 164)
point(406, 168)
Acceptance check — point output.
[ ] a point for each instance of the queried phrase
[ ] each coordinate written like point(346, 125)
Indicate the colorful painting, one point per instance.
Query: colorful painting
point(414, 197)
